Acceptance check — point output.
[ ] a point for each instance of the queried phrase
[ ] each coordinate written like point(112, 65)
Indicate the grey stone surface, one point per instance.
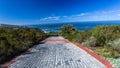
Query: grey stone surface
point(57, 55)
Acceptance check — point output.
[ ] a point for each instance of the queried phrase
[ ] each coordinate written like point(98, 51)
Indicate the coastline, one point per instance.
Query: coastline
point(55, 27)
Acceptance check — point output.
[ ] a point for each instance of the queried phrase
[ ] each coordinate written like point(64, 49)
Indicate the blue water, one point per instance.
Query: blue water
point(54, 27)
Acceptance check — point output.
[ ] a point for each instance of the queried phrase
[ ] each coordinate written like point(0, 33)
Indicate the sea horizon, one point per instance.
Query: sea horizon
point(54, 27)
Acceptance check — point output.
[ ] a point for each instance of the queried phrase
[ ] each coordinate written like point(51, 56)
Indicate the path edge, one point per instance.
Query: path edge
point(98, 57)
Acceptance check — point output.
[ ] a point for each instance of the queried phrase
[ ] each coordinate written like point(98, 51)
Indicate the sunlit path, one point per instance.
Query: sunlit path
point(55, 52)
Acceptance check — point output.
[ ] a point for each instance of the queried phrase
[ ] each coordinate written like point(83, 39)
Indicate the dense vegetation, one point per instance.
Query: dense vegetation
point(52, 34)
point(104, 40)
point(15, 40)
point(68, 31)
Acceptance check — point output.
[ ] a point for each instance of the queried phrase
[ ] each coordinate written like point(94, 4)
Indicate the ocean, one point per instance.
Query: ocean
point(55, 27)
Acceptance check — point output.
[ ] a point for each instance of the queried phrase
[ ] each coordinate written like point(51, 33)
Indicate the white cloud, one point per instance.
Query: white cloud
point(118, 14)
point(65, 16)
point(90, 16)
point(82, 14)
point(111, 11)
point(50, 18)
point(104, 12)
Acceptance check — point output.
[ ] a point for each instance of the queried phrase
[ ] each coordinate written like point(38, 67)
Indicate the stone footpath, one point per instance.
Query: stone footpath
point(54, 52)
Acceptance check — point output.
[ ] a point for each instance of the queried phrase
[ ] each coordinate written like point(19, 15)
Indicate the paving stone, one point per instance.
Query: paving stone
point(58, 55)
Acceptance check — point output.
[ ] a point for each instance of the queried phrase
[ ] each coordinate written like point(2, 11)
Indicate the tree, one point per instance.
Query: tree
point(67, 29)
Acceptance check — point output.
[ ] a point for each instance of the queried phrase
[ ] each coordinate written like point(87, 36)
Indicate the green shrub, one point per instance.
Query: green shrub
point(82, 36)
point(14, 41)
point(52, 34)
point(115, 44)
point(67, 29)
point(104, 34)
point(107, 52)
point(98, 38)
point(90, 42)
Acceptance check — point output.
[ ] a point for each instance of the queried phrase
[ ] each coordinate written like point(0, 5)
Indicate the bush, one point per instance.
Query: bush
point(104, 34)
point(14, 41)
point(107, 52)
point(96, 39)
point(52, 34)
point(67, 29)
point(115, 44)
point(82, 36)
point(90, 42)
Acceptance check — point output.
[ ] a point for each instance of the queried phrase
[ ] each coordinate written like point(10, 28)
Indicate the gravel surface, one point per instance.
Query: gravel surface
point(57, 55)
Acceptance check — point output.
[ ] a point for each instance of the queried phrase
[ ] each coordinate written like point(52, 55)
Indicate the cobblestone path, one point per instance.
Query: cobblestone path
point(57, 53)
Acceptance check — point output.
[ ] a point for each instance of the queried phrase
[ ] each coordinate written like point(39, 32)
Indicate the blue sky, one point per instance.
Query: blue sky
point(55, 11)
